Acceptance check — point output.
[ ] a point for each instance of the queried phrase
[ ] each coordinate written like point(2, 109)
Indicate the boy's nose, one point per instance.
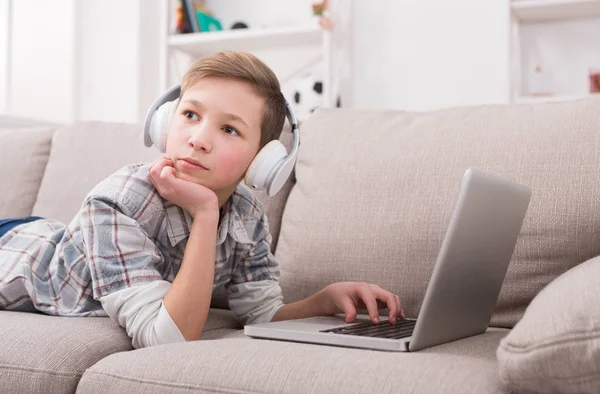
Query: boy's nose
point(201, 138)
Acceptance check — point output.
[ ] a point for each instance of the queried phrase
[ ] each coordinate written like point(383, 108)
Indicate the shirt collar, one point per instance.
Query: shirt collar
point(179, 224)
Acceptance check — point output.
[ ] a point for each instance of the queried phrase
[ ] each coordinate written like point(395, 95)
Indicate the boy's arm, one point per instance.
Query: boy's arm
point(344, 297)
point(188, 299)
point(140, 310)
point(314, 305)
point(161, 312)
point(155, 312)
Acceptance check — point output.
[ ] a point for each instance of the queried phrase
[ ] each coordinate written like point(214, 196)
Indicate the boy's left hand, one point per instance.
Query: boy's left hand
point(190, 196)
point(348, 296)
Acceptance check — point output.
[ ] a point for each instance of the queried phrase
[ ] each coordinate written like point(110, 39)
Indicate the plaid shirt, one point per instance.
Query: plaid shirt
point(125, 235)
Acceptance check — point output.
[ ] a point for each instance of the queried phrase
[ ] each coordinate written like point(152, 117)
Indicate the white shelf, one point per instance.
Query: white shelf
point(553, 10)
point(245, 39)
point(557, 98)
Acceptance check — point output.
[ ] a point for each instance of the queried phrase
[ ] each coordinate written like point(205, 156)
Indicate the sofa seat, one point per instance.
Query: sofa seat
point(48, 354)
point(237, 364)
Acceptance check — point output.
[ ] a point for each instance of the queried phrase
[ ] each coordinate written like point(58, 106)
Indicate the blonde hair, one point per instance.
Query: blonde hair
point(244, 66)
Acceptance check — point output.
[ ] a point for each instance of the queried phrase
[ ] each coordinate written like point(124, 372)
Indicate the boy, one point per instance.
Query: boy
point(141, 250)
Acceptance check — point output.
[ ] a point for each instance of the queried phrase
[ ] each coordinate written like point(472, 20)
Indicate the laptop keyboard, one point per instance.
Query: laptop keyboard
point(402, 329)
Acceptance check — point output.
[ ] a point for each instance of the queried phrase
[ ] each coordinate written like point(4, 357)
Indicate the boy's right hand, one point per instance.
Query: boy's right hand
point(193, 197)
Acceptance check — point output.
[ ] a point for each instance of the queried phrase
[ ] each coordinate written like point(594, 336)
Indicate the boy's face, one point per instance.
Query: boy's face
point(215, 133)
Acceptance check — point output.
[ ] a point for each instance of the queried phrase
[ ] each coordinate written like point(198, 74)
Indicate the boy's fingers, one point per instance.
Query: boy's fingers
point(167, 172)
point(348, 308)
point(167, 181)
point(155, 162)
point(158, 160)
point(367, 297)
point(158, 165)
point(393, 309)
point(390, 302)
point(402, 315)
point(156, 172)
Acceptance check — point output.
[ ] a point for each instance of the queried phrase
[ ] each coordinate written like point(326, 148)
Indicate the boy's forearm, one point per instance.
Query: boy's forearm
point(188, 299)
point(315, 305)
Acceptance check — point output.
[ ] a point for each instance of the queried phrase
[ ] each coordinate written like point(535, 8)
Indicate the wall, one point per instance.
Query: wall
point(101, 60)
point(4, 49)
point(426, 54)
point(565, 50)
point(108, 55)
point(81, 60)
point(43, 60)
point(118, 60)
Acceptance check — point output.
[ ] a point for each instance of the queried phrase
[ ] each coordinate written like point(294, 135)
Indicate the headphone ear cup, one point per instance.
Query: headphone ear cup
point(266, 162)
point(159, 125)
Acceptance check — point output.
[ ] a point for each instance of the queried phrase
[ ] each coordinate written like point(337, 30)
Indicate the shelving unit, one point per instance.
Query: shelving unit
point(289, 50)
point(201, 43)
point(546, 99)
point(528, 12)
point(534, 11)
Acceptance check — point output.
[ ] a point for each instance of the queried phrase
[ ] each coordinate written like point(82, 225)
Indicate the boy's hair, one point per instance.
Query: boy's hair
point(245, 67)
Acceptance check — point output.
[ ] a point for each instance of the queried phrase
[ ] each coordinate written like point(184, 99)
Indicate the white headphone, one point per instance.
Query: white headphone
point(269, 170)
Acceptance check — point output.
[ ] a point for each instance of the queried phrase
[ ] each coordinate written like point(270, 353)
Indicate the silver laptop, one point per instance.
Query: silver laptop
point(464, 286)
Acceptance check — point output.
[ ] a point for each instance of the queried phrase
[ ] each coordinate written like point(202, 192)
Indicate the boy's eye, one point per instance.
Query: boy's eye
point(191, 115)
point(230, 130)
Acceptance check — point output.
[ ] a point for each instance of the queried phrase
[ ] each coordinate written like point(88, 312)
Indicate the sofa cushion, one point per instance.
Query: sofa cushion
point(23, 156)
point(82, 155)
point(48, 354)
point(555, 348)
point(375, 190)
point(17, 122)
point(221, 319)
point(254, 365)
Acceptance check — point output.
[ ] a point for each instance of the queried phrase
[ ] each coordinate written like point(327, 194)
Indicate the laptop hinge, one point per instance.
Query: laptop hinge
point(407, 346)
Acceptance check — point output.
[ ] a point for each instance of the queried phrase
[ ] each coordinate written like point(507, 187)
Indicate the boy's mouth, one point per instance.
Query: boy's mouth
point(191, 164)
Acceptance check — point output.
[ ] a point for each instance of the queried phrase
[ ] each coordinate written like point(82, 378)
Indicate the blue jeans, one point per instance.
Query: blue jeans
point(8, 224)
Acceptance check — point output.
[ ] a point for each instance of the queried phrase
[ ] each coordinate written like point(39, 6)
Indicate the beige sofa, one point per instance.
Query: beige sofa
point(369, 201)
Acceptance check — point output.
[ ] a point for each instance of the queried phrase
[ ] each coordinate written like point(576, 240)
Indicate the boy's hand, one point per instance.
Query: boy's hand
point(188, 195)
point(348, 296)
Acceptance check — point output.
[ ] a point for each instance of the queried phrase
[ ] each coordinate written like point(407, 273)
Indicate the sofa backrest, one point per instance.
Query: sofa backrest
point(24, 153)
point(83, 154)
point(375, 189)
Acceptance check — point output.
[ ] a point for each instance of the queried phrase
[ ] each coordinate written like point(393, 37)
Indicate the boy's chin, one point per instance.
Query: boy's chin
point(190, 178)
point(204, 182)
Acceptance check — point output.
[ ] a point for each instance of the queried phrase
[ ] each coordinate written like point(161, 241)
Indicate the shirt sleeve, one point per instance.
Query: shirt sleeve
point(118, 251)
point(141, 311)
point(255, 302)
point(124, 267)
point(254, 291)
